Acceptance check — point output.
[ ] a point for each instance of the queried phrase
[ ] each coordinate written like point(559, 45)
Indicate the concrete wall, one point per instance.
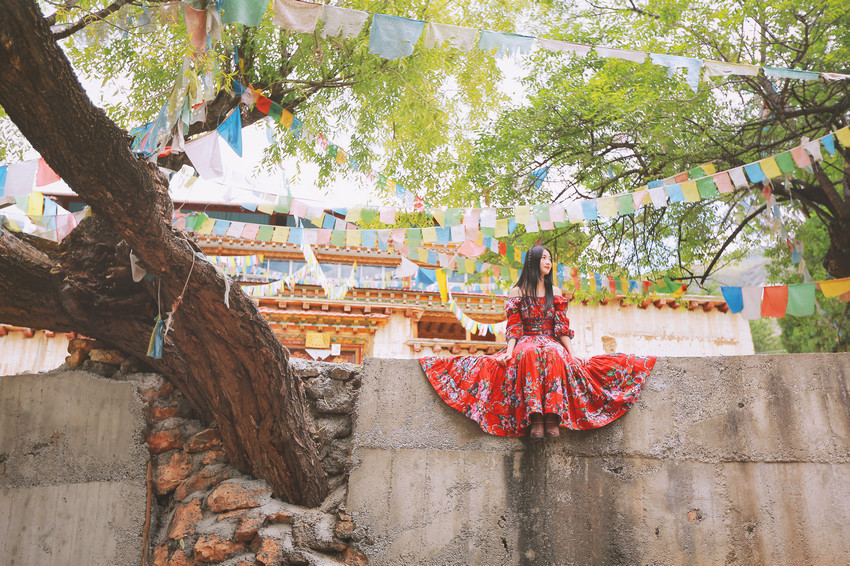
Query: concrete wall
point(735, 460)
point(72, 470)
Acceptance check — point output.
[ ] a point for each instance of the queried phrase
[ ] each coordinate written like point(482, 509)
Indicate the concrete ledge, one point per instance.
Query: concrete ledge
point(72, 470)
point(733, 460)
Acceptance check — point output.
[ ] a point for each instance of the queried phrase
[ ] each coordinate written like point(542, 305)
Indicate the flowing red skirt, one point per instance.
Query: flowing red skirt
point(541, 378)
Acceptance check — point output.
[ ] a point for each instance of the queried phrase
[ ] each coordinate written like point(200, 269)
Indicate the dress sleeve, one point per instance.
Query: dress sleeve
point(562, 323)
point(512, 310)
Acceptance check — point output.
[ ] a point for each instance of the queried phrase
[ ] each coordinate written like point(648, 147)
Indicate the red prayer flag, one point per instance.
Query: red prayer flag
point(681, 177)
point(44, 174)
point(263, 104)
point(503, 249)
point(612, 285)
point(774, 301)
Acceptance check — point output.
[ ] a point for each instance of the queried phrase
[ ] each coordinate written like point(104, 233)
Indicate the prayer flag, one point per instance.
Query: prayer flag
point(264, 234)
point(458, 37)
point(221, 227)
point(564, 46)
point(775, 301)
point(505, 43)
point(369, 239)
point(626, 54)
point(724, 69)
point(786, 162)
point(658, 196)
point(723, 182)
point(342, 22)
point(675, 62)
point(2, 179)
point(281, 234)
point(196, 26)
point(706, 188)
point(828, 142)
point(588, 208)
point(247, 12)
point(296, 15)
point(338, 238)
point(801, 299)
point(843, 136)
point(275, 110)
point(607, 207)
point(20, 177)
point(752, 302)
point(782, 73)
point(770, 167)
point(556, 213)
point(296, 236)
point(676, 193)
point(834, 287)
point(691, 191)
point(755, 173)
point(429, 235)
point(352, 238)
point(393, 37)
point(734, 298)
point(813, 147)
point(45, 175)
point(502, 228)
point(250, 231)
point(205, 155)
point(738, 177)
point(522, 214)
point(625, 204)
point(231, 131)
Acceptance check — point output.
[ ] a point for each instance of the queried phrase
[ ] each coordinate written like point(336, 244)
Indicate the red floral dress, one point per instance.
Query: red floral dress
point(542, 377)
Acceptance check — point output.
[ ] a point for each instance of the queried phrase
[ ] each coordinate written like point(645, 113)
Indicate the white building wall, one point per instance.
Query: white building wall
point(19, 354)
point(390, 338)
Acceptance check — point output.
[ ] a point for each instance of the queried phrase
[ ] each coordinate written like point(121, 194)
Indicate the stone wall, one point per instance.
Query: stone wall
point(734, 460)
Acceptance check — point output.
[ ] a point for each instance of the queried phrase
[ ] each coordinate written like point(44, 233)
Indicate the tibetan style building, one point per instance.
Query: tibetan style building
point(398, 322)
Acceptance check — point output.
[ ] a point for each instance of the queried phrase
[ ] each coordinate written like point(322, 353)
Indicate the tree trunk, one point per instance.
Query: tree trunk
point(226, 361)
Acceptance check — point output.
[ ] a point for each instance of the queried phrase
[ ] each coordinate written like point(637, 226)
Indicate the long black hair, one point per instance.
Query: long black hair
point(530, 275)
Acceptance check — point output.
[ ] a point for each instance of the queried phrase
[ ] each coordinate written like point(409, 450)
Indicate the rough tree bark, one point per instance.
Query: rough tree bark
point(227, 361)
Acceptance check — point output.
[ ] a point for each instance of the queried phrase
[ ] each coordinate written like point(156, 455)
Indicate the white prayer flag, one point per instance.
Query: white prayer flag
point(456, 36)
point(205, 155)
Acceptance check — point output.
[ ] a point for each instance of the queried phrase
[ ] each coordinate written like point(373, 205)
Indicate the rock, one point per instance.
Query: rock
point(202, 481)
point(331, 396)
point(162, 413)
point(80, 345)
point(178, 558)
point(303, 368)
point(248, 528)
point(344, 529)
point(157, 391)
point(333, 426)
point(76, 359)
point(165, 440)
point(170, 469)
point(281, 517)
point(186, 516)
point(210, 548)
point(204, 440)
point(111, 357)
point(318, 534)
point(214, 456)
point(340, 373)
point(100, 368)
point(336, 458)
point(354, 557)
point(272, 552)
point(132, 365)
point(238, 494)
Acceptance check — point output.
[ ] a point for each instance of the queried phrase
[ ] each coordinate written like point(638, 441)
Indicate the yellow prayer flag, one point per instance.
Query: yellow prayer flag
point(770, 167)
point(517, 255)
point(624, 284)
point(470, 266)
point(607, 206)
point(502, 228)
point(429, 235)
point(514, 273)
point(522, 214)
point(423, 254)
point(689, 189)
point(207, 226)
point(281, 234)
point(391, 185)
point(443, 285)
point(35, 206)
point(266, 206)
point(439, 216)
point(591, 280)
point(352, 238)
point(341, 157)
point(708, 168)
point(286, 118)
point(835, 287)
point(843, 136)
point(352, 214)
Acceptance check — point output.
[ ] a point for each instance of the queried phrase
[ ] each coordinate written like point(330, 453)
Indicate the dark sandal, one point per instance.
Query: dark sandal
point(537, 427)
point(551, 425)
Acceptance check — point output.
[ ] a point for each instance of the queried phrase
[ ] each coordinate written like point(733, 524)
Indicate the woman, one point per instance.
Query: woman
point(538, 384)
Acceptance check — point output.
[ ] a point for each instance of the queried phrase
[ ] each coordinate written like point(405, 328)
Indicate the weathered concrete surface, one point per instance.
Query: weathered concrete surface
point(72, 470)
point(727, 460)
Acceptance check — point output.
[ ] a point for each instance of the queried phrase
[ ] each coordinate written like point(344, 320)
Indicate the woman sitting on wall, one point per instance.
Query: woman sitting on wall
point(538, 384)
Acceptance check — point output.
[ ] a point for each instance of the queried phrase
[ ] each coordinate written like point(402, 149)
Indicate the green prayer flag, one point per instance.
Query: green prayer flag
point(275, 111)
point(488, 232)
point(247, 12)
point(625, 204)
point(283, 205)
point(541, 212)
point(264, 234)
point(338, 238)
point(786, 162)
point(333, 150)
point(453, 216)
point(801, 299)
point(707, 188)
point(696, 173)
point(414, 237)
point(368, 215)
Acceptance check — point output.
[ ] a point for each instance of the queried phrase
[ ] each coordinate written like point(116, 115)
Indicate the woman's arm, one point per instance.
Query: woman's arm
point(568, 344)
point(508, 354)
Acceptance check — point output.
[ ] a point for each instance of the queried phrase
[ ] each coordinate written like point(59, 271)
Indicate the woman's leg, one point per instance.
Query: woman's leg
point(537, 425)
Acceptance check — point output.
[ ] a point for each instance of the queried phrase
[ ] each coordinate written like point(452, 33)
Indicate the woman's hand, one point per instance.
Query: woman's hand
point(503, 358)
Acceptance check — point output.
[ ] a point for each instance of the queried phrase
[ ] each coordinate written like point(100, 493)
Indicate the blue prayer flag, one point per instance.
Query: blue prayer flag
point(675, 193)
point(537, 177)
point(588, 208)
point(295, 236)
point(231, 131)
point(220, 228)
point(755, 173)
point(655, 184)
point(828, 142)
point(247, 12)
point(505, 43)
point(2, 178)
point(734, 298)
point(393, 37)
point(369, 239)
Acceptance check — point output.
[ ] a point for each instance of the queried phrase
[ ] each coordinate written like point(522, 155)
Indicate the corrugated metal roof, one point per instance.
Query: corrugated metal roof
point(22, 354)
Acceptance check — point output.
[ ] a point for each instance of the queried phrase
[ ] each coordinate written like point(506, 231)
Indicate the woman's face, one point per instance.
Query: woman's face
point(545, 263)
